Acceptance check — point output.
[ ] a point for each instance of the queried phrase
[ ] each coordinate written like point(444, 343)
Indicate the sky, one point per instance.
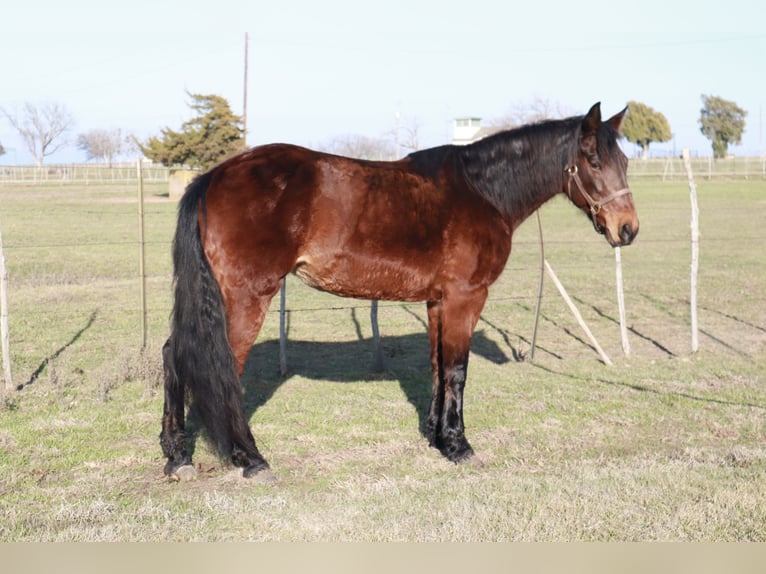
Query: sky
point(319, 70)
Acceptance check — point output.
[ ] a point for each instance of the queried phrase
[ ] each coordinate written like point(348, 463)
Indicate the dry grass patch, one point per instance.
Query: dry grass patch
point(663, 446)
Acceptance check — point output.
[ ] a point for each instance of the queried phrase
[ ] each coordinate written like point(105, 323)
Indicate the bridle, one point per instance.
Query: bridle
point(595, 206)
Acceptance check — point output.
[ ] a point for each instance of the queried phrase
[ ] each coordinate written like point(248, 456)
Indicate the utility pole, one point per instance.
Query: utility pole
point(398, 141)
point(244, 103)
point(141, 253)
point(4, 321)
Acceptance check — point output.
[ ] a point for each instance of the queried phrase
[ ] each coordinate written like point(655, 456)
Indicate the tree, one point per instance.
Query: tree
point(42, 128)
point(405, 136)
point(390, 146)
point(214, 134)
point(521, 113)
point(101, 144)
point(722, 122)
point(360, 147)
point(2, 149)
point(131, 147)
point(644, 125)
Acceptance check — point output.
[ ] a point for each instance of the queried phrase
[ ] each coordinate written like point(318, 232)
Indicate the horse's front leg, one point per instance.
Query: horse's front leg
point(451, 439)
point(451, 324)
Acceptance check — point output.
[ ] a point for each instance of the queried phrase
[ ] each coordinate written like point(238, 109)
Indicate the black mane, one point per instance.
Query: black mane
point(522, 167)
point(430, 162)
point(513, 169)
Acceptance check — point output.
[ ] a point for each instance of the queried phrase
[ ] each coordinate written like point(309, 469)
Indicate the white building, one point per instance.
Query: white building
point(468, 130)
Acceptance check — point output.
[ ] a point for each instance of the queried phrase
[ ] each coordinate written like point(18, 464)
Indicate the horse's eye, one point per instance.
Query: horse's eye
point(595, 164)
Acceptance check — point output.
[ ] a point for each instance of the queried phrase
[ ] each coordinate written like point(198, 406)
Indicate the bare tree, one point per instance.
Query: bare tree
point(391, 145)
point(101, 144)
point(406, 137)
point(537, 110)
point(42, 128)
point(361, 147)
point(131, 147)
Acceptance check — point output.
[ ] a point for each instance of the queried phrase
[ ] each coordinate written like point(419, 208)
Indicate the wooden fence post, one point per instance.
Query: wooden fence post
point(141, 253)
point(695, 231)
point(282, 329)
point(539, 287)
point(577, 315)
point(4, 335)
point(621, 302)
point(377, 352)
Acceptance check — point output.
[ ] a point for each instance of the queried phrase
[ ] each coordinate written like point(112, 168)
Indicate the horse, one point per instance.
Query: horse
point(434, 226)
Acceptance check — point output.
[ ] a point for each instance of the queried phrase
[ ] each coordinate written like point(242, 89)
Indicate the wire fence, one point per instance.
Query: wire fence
point(118, 311)
point(81, 173)
point(672, 168)
point(667, 168)
point(160, 286)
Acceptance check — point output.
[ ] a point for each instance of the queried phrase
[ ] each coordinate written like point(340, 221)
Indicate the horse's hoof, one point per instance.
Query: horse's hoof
point(185, 473)
point(470, 460)
point(458, 452)
point(260, 474)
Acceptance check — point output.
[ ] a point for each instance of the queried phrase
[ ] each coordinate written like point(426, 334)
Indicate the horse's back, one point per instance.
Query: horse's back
point(378, 230)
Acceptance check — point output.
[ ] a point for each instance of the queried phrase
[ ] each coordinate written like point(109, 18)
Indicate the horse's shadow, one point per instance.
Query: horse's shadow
point(406, 360)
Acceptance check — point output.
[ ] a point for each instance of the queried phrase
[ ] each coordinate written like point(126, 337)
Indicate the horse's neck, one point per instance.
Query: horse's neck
point(516, 172)
point(526, 197)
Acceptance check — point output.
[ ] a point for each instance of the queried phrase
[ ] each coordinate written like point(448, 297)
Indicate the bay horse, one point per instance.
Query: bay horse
point(435, 226)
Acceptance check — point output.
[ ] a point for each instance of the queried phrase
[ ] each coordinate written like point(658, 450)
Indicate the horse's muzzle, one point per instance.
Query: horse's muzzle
point(620, 236)
point(628, 233)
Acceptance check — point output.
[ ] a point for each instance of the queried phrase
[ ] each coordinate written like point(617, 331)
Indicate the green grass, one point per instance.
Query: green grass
point(665, 445)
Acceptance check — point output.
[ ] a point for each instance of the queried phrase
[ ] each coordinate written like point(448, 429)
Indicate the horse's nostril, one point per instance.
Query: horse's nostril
point(627, 234)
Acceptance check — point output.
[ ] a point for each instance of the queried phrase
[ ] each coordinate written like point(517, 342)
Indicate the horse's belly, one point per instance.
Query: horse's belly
point(351, 277)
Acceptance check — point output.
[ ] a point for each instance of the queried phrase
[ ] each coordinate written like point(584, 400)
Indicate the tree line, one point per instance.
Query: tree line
point(215, 132)
point(721, 121)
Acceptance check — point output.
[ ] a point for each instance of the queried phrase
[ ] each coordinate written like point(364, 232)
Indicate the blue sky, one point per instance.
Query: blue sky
point(324, 69)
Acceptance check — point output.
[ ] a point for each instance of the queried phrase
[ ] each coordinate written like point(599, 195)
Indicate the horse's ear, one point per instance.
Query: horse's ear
point(592, 120)
point(590, 125)
point(616, 120)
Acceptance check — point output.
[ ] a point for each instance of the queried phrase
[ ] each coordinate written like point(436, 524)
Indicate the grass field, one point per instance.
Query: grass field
point(665, 445)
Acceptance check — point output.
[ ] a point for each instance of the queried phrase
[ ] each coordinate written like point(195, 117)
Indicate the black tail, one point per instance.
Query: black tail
point(202, 357)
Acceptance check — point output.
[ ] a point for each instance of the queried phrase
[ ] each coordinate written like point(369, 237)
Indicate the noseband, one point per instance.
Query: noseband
point(595, 206)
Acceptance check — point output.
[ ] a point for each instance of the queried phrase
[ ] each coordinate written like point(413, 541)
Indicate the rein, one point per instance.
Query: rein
point(595, 206)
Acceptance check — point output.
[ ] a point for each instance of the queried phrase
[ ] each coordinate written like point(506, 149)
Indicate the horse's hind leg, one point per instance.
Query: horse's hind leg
point(437, 391)
point(173, 437)
point(246, 311)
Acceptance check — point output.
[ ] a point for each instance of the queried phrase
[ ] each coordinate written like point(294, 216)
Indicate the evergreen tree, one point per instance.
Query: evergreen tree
point(214, 134)
point(644, 125)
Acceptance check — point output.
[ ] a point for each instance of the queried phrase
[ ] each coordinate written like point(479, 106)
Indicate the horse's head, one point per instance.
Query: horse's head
point(597, 179)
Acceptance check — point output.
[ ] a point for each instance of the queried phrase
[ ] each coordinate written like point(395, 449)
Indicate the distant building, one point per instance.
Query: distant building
point(468, 130)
